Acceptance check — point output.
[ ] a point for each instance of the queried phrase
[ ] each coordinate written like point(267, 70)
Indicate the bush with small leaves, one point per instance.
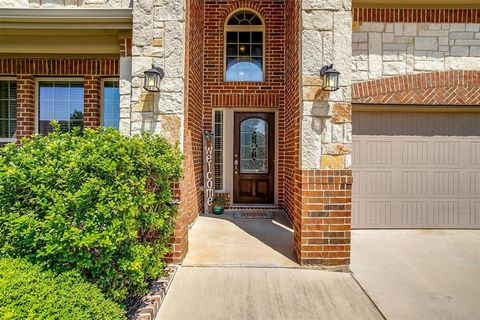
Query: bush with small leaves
point(96, 202)
point(27, 292)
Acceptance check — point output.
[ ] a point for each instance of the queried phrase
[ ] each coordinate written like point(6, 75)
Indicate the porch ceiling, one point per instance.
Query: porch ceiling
point(63, 32)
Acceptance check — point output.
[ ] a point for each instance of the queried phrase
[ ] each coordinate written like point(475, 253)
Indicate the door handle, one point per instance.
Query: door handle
point(235, 163)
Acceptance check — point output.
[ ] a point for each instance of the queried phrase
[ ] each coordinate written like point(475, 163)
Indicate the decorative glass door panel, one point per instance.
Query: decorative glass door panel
point(254, 146)
point(254, 157)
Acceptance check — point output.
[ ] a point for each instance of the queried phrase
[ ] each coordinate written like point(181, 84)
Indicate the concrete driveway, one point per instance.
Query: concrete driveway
point(419, 274)
point(253, 293)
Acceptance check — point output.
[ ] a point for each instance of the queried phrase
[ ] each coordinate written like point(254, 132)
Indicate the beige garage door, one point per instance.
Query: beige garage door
point(416, 170)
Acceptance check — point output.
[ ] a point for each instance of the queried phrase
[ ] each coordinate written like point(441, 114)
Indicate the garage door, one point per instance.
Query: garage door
point(416, 170)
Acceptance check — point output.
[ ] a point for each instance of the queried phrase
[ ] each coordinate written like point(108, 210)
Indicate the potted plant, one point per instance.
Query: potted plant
point(218, 204)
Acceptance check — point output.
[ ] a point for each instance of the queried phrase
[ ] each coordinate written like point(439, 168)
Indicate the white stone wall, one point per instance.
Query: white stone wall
point(326, 39)
point(157, 39)
point(65, 3)
point(390, 49)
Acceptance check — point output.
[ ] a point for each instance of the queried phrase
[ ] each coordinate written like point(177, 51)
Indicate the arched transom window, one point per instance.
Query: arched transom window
point(244, 47)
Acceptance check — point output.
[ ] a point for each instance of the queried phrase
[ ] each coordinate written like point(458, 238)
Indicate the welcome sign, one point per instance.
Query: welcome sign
point(209, 187)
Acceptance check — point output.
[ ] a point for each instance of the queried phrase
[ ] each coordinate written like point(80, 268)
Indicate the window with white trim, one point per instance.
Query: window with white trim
point(61, 101)
point(8, 110)
point(218, 165)
point(244, 47)
point(111, 104)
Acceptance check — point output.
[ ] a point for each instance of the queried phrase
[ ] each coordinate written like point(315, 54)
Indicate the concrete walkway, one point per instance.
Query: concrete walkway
point(224, 293)
point(225, 241)
point(245, 269)
point(420, 274)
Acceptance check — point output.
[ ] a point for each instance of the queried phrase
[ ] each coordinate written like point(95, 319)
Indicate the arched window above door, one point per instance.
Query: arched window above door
point(244, 47)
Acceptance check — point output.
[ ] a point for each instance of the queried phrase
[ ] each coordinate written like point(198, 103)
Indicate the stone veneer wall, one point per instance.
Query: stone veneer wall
point(325, 148)
point(416, 56)
point(65, 3)
point(158, 38)
point(326, 39)
point(384, 47)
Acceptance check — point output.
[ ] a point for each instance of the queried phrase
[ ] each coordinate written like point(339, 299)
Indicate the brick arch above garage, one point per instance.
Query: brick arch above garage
point(457, 88)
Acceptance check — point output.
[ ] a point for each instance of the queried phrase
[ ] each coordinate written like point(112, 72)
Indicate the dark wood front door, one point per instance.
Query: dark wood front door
point(254, 157)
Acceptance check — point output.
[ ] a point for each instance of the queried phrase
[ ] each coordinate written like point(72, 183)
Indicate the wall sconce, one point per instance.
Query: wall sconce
point(330, 78)
point(152, 79)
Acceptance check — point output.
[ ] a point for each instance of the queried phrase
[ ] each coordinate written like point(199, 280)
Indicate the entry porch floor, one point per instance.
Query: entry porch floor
point(222, 240)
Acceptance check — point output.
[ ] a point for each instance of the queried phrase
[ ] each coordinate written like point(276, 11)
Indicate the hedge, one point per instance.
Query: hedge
point(27, 292)
point(96, 202)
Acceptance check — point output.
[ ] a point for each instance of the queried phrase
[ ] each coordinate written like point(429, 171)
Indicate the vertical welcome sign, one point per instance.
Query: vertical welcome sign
point(208, 178)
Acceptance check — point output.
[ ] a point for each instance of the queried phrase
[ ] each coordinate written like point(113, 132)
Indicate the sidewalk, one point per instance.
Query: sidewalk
point(234, 293)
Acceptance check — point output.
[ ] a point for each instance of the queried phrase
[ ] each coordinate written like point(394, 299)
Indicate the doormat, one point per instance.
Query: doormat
point(253, 215)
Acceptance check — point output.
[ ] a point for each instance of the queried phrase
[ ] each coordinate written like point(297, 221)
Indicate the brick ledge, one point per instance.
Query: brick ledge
point(153, 301)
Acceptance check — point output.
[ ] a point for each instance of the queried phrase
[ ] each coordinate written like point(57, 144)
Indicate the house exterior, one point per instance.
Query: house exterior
point(398, 142)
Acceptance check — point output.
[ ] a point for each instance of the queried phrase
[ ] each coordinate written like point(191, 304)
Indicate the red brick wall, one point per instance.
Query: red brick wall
point(268, 94)
point(292, 202)
point(26, 70)
point(435, 88)
point(125, 47)
point(179, 241)
point(326, 217)
point(416, 15)
point(25, 106)
point(194, 105)
point(59, 67)
point(91, 101)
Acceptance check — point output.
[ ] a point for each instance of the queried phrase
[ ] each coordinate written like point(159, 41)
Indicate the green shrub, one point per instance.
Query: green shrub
point(96, 202)
point(27, 292)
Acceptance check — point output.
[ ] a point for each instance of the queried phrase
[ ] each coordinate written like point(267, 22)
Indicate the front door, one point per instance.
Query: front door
point(254, 163)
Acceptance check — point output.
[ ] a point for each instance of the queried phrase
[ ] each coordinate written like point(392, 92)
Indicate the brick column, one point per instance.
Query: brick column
point(25, 106)
point(91, 101)
point(325, 217)
point(323, 234)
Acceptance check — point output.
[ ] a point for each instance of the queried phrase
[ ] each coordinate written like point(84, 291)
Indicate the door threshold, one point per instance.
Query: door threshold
point(254, 206)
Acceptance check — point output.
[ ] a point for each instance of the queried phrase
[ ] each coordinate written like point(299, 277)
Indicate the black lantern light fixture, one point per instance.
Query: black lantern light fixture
point(330, 78)
point(152, 79)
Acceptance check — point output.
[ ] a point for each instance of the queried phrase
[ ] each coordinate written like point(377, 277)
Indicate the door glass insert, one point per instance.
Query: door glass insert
point(254, 146)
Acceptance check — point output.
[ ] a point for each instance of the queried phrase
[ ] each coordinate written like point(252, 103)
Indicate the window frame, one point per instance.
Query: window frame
point(52, 79)
point(8, 140)
point(243, 28)
point(102, 107)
